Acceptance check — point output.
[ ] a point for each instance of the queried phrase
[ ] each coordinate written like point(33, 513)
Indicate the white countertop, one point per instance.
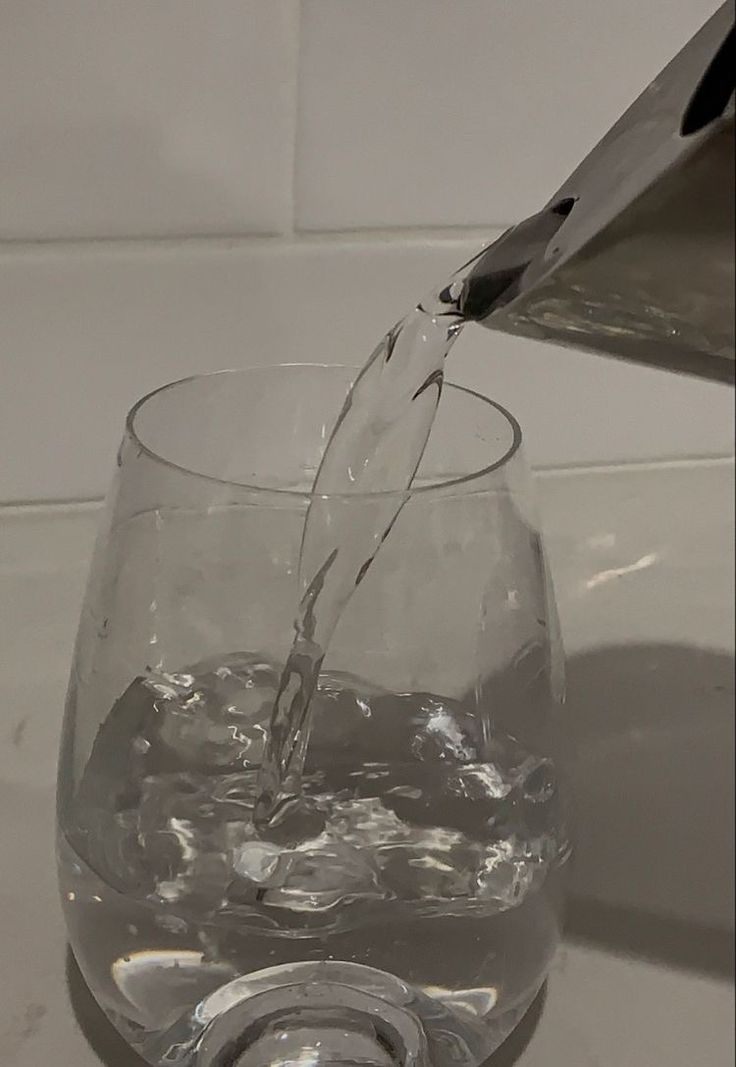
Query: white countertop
point(643, 564)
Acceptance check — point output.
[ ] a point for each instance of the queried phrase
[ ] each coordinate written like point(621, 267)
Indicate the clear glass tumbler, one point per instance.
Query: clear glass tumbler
point(417, 923)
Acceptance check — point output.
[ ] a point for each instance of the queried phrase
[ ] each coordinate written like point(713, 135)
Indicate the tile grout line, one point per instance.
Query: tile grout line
point(13, 509)
point(653, 463)
point(294, 30)
point(208, 243)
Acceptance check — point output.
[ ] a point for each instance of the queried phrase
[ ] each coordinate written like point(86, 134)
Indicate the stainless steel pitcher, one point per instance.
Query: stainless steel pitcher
point(634, 256)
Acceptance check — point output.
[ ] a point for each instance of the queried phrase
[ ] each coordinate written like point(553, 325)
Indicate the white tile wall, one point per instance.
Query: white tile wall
point(432, 112)
point(245, 118)
point(121, 119)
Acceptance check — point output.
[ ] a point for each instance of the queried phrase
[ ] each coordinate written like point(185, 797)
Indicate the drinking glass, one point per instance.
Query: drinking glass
point(415, 923)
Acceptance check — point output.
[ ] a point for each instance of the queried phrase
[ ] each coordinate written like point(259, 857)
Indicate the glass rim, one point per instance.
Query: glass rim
point(435, 487)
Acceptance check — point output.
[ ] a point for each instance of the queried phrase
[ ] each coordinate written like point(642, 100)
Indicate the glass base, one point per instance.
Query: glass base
point(320, 1023)
point(271, 1019)
point(326, 1014)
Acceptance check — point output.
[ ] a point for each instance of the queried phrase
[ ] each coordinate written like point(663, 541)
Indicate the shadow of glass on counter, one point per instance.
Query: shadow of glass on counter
point(516, 1043)
point(652, 728)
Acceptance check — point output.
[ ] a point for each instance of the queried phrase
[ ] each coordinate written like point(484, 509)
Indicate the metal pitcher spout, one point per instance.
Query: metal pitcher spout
point(634, 256)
